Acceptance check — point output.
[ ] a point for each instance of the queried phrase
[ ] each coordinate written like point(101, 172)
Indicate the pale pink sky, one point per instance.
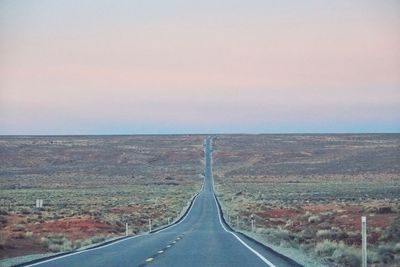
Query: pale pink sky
point(179, 67)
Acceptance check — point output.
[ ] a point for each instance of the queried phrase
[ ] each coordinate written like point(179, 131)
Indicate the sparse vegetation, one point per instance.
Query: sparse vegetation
point(91, 186)
point(308, 192)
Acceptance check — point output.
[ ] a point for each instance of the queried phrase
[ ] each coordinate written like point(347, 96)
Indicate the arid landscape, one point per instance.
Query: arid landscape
point(91, 186)
point(308, 193)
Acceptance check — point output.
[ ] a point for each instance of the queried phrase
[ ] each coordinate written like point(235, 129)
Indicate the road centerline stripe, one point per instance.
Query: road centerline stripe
point(149, 259)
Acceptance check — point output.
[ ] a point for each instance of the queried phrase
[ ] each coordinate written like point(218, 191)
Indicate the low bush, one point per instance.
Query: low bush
point(339, 253)
point(60, 248)
point(97, 239)
point(3, 212)
point(314, 219)
point(26, 211)
point(393, 232)
point(326, 248)
point(307, 234)
point(57, 243)
point(325, 234)
point(28, 234)
point(276, 236)
point(3, 219)
point(19, 228)
point(386, 253)
point(347, 256)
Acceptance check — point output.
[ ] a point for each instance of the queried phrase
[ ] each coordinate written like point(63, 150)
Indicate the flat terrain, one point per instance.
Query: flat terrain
point(91, 186)
point(199, 239)
point(308, 192)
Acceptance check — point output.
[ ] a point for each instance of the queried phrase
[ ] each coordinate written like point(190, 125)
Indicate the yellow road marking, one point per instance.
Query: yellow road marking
point(161, 251)
point(168, 246)
point(149, 259)
point(173, 242)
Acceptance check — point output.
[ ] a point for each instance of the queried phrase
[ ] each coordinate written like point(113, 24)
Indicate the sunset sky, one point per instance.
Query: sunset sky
point(156, 66)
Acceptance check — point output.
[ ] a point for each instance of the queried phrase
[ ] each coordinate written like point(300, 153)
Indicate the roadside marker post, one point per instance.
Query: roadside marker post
point(169, 220)
point(149, 225)
point(364, 240)
point(126, 229)
point(237, 222)
point(252, 222)
point(39, 203)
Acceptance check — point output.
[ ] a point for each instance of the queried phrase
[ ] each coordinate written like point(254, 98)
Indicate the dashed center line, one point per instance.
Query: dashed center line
point(152, 258)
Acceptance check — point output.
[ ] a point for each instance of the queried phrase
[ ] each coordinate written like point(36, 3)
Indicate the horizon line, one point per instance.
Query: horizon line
point(178, 134)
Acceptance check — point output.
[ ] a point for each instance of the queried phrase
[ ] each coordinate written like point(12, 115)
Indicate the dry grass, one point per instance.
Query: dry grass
point(309, 191)
point(91, 186)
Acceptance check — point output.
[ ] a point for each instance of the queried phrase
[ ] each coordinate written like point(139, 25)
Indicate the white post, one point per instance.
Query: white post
point(126, 229)
point(149, 225)
point(39, 203)
point(364, 240)
point(169, 220)
point(252, 222)
point(237, 222)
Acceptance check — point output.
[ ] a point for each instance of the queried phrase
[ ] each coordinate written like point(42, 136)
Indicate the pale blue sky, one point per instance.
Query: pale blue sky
point(121, 67)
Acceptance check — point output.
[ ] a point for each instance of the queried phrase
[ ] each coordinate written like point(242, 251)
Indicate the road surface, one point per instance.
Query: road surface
point(200, 239)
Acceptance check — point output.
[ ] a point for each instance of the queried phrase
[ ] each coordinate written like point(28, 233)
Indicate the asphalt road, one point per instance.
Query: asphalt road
point(200, 239)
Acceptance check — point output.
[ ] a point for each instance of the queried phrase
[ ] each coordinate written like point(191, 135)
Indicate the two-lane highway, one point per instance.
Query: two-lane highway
point(200, 239)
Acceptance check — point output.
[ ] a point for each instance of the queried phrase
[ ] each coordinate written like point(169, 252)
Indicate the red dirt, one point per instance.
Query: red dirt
point(351, 221)
point(345, 217)
point(21, 246)
point(73, 228)
point(321, 208)
point(279, 213)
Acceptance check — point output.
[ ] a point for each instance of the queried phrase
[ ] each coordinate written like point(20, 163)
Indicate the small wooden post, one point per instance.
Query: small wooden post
point(364, 240)
point(252, 222)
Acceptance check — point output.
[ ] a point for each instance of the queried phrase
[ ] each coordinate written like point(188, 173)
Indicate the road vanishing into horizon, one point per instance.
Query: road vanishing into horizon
point(200, 239)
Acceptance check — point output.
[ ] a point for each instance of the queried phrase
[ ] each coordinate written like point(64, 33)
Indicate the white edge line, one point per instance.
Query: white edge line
point(85, 250)
point(172, 225)
point(116, 242)
point(240, 240)
point(237, 237)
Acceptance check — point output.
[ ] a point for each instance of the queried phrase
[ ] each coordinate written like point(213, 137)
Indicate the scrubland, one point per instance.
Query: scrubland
point(91, 186)
point(308, 193)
